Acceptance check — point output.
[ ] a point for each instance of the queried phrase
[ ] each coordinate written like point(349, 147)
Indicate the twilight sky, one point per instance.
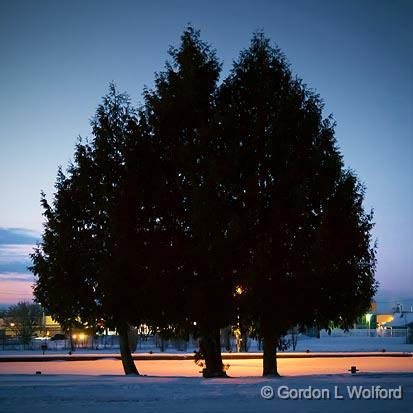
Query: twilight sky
point(57, 59)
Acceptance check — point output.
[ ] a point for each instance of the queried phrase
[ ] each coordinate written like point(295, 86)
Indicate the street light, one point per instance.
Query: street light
point(12, 325)
point(239, 290)
point(368, 318)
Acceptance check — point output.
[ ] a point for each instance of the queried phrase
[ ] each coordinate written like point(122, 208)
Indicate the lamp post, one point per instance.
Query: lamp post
point(81, 339)
point(74, 340)
point(14, 333)
point(239, 290)
point(12, 325)
point(368, 318)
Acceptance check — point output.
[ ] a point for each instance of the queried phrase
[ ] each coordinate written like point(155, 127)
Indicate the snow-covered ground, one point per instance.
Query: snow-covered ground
point(113, 394)
point(176, 386)
point(335, 342)
point(353, 343)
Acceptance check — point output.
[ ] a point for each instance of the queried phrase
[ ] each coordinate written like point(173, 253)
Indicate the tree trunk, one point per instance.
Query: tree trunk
point(125, 352)
point(210, 346)
point(270, 342)
point(132, 339)
point(227, 338)
point(244, 339)
point(72, 347)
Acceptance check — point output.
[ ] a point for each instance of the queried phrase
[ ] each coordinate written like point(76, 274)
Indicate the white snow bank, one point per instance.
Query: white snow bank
point(113, 394)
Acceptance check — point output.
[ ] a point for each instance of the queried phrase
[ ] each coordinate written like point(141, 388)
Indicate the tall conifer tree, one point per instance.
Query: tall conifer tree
point(289, 174)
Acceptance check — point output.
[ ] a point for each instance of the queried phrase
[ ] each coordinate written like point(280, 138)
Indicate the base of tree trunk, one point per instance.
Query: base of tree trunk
point(269, 357)
point(272, 375)
point(126, 354)
point(211, 374)
point(210, 346)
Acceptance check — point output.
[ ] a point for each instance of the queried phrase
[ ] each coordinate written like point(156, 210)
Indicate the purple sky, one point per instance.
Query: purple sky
point(59, 57)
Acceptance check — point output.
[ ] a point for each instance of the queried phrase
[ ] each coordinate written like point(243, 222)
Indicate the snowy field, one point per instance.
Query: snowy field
point(353, 343)
point(337, 342)
point(176, 386)
point(115, 394)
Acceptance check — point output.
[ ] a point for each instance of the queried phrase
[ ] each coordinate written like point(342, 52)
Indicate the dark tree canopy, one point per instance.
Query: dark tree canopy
point(63, 259)
point(211, 202)
point(88, 267)
point(24, 318)
point(293, 194)
point(181, 111)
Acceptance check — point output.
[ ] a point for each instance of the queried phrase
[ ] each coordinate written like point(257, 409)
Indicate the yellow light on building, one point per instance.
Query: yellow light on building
point(384, 318)
point(81, 336)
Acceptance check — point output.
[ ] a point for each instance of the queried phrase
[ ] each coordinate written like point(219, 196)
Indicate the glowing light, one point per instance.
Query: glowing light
point(81, 336)
point(12, 324)
point(239, 290)
point(74, 336)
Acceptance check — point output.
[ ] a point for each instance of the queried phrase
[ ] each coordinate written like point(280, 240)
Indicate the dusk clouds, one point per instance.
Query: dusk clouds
point(15, 279)
point(18, 236)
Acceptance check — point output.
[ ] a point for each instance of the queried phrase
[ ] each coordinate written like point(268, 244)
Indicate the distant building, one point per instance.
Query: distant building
point(401, 317)
point(47, 328)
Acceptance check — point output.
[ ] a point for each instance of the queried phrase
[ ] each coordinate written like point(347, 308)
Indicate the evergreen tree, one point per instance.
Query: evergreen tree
point(211, 203)
point(92, 263)
point(181, 113)
point(62, 259)
point(25, 318)
point(288, 172)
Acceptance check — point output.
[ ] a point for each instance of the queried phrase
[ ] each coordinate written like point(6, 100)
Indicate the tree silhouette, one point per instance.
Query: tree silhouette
point(91, 263)
point(209, 203)
point(24, 318)
point(289, 174)
point(181, 112)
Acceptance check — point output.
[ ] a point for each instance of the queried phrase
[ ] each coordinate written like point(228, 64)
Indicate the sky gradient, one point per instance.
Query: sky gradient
point(57, 59)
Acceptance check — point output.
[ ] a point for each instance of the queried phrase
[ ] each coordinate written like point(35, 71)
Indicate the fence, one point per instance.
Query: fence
point(366, 332)
point(148, 343)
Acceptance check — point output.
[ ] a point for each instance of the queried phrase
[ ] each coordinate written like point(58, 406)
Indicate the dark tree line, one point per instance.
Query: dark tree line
point(208, 189)
point(24, 319)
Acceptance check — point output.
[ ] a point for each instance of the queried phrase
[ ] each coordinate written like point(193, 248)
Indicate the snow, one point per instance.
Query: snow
point(338, 341)
point(353, 343)
point(173, 385)
point(401, 319)
point(112, 394)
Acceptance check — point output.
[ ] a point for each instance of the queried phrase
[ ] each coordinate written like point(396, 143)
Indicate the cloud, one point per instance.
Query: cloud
point(17, 236)
point(15, 257)
point(16, 277)
point(16, 244)
point(16, 281)
point(20, 267)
